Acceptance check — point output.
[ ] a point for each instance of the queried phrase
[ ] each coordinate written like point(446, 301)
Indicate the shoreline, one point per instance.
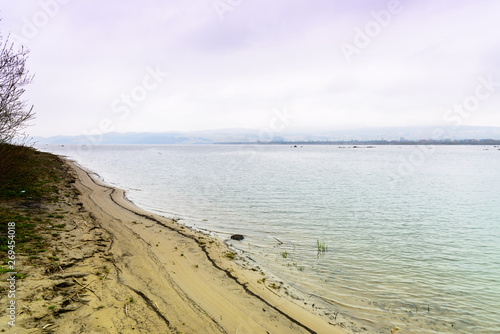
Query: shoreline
point(222, 298)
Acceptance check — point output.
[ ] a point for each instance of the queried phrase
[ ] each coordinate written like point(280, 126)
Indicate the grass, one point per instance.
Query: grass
point(322, 246)
point(27, 173)
point(274, 286)
point(28, 179)
point(284, 254)
point(20, 275)
point(4, 270)
point(230, 255)
point(24, 228)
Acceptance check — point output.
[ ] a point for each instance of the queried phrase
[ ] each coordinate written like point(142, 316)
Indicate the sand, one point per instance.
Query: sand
point(125, 270)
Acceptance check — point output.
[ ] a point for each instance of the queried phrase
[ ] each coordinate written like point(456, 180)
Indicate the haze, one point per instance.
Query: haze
point(161, 66)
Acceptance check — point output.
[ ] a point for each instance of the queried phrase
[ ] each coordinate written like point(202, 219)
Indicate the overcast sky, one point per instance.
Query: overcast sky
point(162, 65)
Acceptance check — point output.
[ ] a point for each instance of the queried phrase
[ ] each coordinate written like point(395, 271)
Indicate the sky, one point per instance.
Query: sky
point(287, 65)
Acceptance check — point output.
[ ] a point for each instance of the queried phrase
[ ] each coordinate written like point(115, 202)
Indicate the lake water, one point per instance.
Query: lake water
point(413, 233)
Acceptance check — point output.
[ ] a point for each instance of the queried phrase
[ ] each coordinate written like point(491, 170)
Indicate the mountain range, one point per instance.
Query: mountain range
point(252, 136)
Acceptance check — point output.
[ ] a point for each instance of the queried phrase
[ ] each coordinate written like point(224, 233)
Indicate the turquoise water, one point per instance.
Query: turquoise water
point(413, 233)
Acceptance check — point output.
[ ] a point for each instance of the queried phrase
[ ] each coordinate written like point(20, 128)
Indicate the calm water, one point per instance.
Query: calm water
point(413, 233)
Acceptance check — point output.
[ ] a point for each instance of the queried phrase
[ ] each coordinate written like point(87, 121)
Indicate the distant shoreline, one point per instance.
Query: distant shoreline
point(446, 135)
point(462, 142)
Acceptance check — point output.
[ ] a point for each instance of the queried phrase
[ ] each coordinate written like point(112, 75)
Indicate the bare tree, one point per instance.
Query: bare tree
point(14, 112)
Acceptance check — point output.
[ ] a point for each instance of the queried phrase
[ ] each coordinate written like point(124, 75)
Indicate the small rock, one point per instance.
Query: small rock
point(237, 237)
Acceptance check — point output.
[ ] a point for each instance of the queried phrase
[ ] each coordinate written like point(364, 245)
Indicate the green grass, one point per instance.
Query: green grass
point(20, 275)
point(230, 255)
point(4, 270)
point(322, 246)
point(27, 173)
point(28, 179)
point(23, 226)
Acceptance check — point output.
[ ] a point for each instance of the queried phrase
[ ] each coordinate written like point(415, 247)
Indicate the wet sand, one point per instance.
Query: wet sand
point(182, 280)
point(125, 270)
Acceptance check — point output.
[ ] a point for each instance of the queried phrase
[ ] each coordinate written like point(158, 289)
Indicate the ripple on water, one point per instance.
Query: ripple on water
point(420, 251)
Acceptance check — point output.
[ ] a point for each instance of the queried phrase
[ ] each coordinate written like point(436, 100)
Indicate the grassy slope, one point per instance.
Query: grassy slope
point(28, 180)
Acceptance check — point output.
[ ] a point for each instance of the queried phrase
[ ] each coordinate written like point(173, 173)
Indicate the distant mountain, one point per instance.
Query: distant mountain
point(252, 136)
point(125, 138)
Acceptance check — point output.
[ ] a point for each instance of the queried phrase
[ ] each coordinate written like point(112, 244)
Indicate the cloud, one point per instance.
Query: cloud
point(233, 70)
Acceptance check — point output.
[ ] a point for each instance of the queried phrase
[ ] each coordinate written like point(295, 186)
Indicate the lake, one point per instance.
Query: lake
point(412, 232)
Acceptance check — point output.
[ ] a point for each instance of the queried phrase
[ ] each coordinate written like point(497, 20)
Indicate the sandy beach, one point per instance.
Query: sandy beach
point(124, 270)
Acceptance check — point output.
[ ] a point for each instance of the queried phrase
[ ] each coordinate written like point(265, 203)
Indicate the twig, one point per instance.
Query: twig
point(61, 269)
point(272, 291)
point(281, 243)
point(75, 293)
point(126, 311)
point(157, 307)
point(85, 287)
